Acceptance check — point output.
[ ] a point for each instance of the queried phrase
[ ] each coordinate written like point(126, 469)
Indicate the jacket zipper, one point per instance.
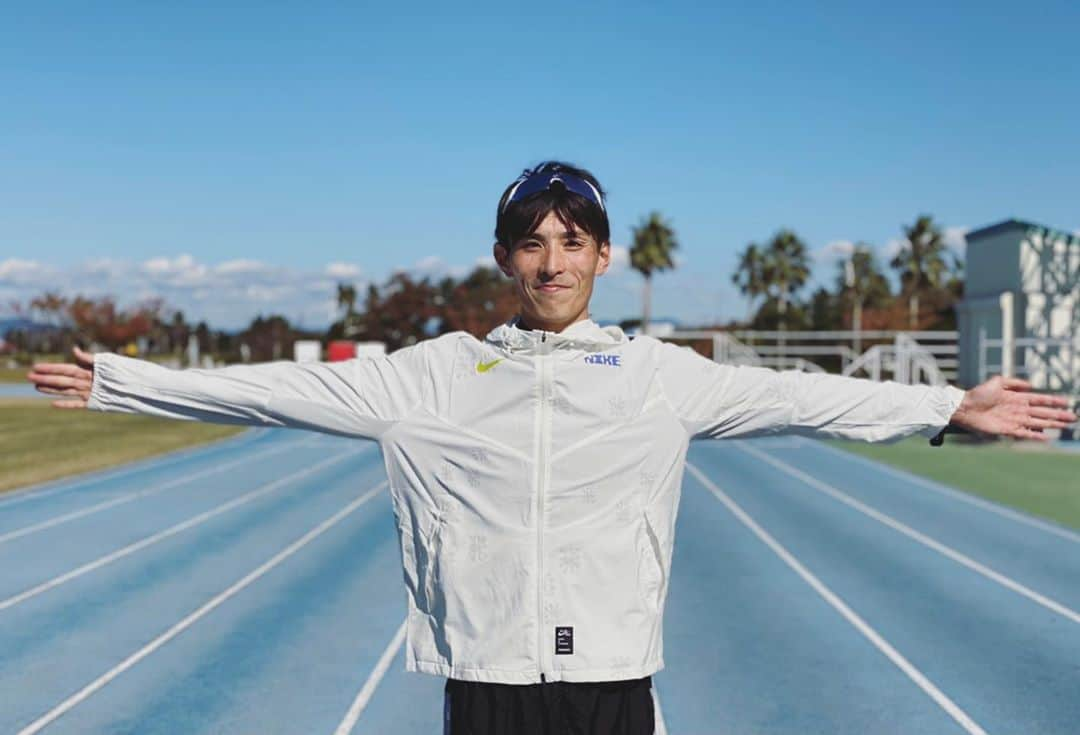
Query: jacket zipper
point(543, 434)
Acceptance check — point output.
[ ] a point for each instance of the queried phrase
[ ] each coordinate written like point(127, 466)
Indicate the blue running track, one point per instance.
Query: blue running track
point(254, 586)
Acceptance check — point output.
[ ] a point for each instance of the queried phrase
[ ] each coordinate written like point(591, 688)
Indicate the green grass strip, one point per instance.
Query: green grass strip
point(39, 443)
point(14, 375)
point(1038, 480)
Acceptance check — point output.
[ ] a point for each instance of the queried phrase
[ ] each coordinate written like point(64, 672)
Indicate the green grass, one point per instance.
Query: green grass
point(39, 443)
point(13, 375)
point(1038, 480)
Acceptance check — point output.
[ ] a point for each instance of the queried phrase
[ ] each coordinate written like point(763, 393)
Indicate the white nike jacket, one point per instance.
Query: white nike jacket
point(535, 476)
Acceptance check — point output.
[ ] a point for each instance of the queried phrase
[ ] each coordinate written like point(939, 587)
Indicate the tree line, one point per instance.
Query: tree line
point(399, 312)
point(50, 324)
point(931, 278)
point(405, 309)
point(774, 274)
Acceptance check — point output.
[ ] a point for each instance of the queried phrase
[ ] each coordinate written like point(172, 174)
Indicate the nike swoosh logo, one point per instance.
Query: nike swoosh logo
point(483, 367)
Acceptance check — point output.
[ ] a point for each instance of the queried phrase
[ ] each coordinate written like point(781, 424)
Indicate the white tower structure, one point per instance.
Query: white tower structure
point(1021, 309)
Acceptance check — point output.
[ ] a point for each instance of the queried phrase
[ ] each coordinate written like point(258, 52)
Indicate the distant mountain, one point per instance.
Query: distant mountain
point(6, 325)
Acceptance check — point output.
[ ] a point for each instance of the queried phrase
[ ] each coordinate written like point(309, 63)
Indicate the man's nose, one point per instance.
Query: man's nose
point(554, 261)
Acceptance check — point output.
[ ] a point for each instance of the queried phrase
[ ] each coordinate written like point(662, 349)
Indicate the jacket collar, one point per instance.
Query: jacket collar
point(585, 335)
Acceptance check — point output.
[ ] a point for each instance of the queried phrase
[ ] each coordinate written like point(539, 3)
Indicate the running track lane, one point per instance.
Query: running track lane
point(779, 658)
point(751, 647)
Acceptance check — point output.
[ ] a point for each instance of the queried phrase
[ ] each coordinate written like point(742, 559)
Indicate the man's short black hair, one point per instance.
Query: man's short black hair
point(521, 218)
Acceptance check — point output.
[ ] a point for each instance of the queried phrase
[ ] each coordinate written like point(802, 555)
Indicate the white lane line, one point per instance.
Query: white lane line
point(788, 442)
point(956, 494)
point(660, 727)
point(191, 619)
point(376, 675)
point(920, 679)
point(948, 551)
point(34, 492)
point(171, 531)
point(129, 497)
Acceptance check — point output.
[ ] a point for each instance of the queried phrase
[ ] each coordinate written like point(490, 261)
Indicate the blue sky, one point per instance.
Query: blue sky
point(239, 160)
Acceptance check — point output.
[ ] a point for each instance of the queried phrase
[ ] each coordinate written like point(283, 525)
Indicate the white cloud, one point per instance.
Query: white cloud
point(181, 271)
point(17, 271)
point(227, 295)
point(893, 247)
point(620, 257)
point(268, 294)
point(434, 267)
point(955, 238)
point(169, 265)
point(343, 270)
point(836, 249)
point(105, 268)
point(429, 263)
point(241, 266)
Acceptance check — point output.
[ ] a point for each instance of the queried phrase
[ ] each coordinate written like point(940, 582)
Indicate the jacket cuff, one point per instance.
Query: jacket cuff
point(104, 377)
point(946, 400)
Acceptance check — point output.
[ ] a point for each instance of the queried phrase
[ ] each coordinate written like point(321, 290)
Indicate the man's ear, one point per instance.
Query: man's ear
point(502, 257)
point(605, 258)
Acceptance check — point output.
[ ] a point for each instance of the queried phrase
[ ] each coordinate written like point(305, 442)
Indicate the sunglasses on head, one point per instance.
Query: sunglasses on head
point(535, 183)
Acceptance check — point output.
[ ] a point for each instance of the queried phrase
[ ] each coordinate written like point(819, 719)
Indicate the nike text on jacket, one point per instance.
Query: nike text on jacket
point(535, 476)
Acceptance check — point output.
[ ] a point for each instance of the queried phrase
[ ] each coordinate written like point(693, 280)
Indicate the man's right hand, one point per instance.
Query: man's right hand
point(66, 379)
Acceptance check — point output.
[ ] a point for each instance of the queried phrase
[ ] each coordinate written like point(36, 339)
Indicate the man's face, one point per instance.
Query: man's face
point(553, 270)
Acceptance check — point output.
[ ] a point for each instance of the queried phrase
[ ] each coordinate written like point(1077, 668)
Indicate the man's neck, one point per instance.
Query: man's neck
point(523, 322)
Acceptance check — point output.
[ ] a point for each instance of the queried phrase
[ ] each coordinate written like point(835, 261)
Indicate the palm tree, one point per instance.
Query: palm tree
point(786, 270)
point(920, 262)
point(346, 299)
point(861, 280)
point(654, 241)
point(749, 276)
point(786, 267)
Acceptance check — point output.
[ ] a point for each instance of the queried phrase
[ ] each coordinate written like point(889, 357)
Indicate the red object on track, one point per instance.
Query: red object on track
point(339, 350)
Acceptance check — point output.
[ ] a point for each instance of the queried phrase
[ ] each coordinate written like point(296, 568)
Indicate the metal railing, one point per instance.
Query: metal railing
point(906, 359)
point(1035, 363)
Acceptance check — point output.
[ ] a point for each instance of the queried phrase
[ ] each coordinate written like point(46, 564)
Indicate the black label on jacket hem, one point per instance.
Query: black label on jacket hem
point(564, 639)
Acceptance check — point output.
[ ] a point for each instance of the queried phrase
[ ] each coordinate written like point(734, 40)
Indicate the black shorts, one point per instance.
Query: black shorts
point(553, 708)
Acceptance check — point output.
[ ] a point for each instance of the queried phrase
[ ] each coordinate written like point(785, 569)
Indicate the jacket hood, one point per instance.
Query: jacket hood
point(584, 335)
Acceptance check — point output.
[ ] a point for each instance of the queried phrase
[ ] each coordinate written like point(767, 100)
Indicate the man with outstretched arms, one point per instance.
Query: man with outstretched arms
point(555, 446)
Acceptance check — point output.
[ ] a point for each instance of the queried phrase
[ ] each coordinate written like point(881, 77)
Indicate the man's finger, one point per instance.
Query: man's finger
point(85, 358)
point(60, 368)
point(1038, 399)
point(60, 391)
point(69, 404)
point(1016, 384)
point(61, 381)
point(1035, 423)
point(1052, 413)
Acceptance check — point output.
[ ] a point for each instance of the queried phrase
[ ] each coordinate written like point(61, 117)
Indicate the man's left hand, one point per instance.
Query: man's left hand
point(1007, 407)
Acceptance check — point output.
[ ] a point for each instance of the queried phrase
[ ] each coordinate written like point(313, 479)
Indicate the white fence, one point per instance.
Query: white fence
point(908, 357)
point(1043, 360)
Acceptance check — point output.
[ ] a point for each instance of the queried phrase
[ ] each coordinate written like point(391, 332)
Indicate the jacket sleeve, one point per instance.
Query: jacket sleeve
point(715, 401)
point(361, 397)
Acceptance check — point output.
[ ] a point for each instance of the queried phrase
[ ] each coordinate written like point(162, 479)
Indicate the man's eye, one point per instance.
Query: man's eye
point(574, 244)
